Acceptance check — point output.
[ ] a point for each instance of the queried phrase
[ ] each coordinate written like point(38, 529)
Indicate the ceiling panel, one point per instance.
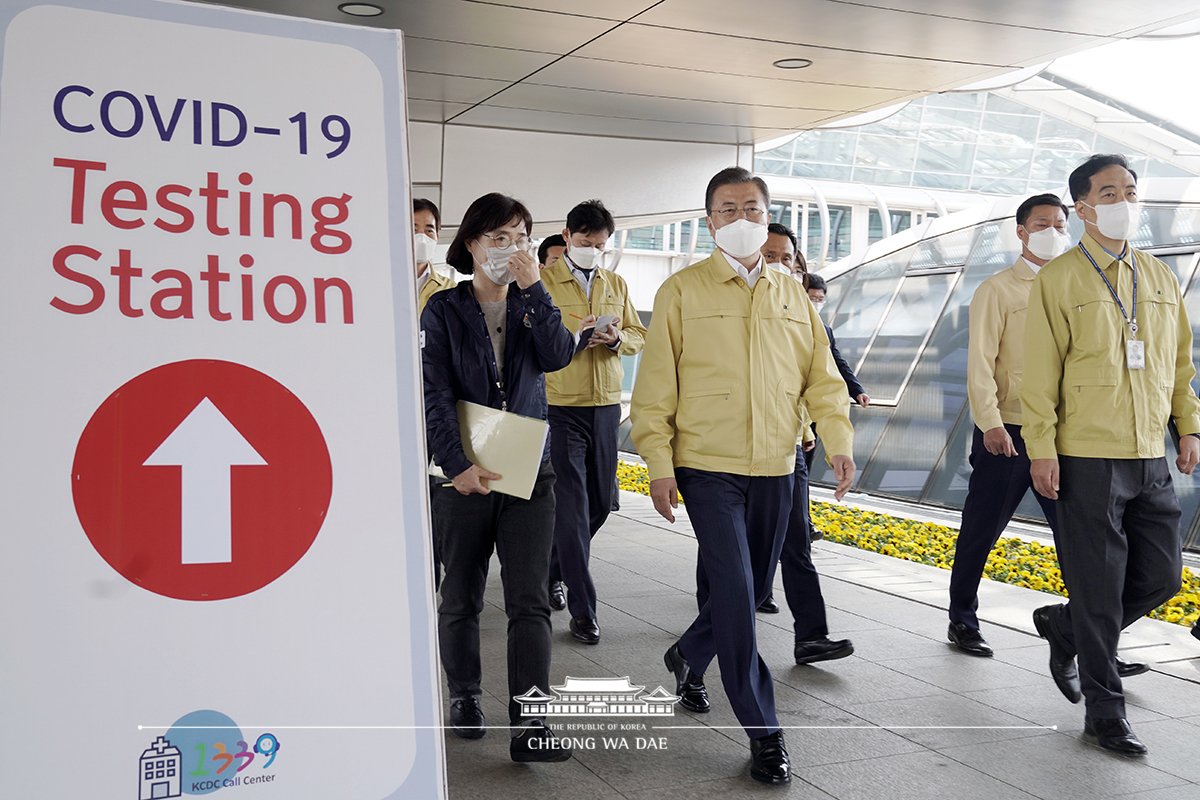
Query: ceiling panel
point(586, 73)
point(632, 107)
point(859, 28)
point(701, 70)
point(452, 88)
point(472, 61)
point(500, 26)
point(1095, 18)
point(704, 51)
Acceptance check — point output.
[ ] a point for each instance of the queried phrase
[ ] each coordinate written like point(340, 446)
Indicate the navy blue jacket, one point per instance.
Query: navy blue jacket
point(852, 385)
point(458, 362)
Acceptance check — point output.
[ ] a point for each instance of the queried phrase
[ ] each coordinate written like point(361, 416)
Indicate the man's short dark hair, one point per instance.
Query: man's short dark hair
point(734, 176)
point(421, 204)
point(780, 229)
point(589, 217)
point(1080, 181)
point(815, 281)
point(550, 241)
point(488, 213)
point(1026, 208)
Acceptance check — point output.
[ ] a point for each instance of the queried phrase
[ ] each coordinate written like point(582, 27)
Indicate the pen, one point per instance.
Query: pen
point(573, 315)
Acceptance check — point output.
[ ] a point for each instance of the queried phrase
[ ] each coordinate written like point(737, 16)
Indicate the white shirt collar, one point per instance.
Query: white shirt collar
point(423, 278)
point(750, 276)
point(585, 277)
point(1036, 269)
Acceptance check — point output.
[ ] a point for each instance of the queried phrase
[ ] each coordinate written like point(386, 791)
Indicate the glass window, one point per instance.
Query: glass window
point(945, 157)
point(781, 212)
point(832, 147)
point(1002, 162)
point(999, 185)
point(908, 322)
point(1055, 134)
point(906, 123)
point(834, 172)
point(934, 181)
point(869, 290)
point(947, 125)
point(947, 250)
point(772, 166)
point(839, 243)
point(1009, 129)
point(1161, 169)
point(898, 221)
point(974, 101)
point(887, 152)
point(1002, 104)
point(1054, 166)
point(652, 238)
point(868, 426)
point(704, 244)
point(888, 177)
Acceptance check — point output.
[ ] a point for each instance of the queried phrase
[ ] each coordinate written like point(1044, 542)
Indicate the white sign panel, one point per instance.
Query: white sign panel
point(214, 561)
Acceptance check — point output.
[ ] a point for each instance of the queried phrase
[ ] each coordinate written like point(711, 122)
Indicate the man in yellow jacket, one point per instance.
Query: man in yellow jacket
point(999, 463)
point(733, 351)
point(427, 223)
point(585, 405)
point(1108, 363)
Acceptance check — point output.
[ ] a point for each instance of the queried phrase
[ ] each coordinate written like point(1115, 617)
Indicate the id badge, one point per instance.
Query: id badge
point(1135, 354)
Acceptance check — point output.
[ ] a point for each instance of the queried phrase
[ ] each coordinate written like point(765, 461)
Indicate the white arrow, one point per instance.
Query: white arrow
point(206, 446)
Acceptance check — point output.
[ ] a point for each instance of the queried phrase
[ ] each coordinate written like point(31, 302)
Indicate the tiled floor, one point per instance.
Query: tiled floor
point(904, 717)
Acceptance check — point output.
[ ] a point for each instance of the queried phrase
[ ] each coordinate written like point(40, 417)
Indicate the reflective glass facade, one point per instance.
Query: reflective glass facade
point(901, 320)
point(978, 142)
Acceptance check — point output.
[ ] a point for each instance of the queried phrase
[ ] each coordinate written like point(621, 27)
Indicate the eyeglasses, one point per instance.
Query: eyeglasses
point(752, 213)
point(503, 241)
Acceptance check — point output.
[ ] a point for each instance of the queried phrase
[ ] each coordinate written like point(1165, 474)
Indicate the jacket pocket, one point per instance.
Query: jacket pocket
point(1094, 410)
point(711, 419)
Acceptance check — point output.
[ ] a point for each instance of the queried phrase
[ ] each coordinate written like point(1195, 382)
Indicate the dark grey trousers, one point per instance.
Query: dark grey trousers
point(1119, 550)
point(521, 532)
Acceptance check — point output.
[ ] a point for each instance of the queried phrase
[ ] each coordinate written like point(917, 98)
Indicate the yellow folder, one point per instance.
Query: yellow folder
point(505, 443)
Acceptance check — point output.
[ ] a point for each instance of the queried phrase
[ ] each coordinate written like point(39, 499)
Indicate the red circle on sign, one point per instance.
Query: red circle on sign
point(235, 491)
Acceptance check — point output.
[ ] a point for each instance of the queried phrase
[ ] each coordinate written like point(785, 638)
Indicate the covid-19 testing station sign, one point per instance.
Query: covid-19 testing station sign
point(214, 557)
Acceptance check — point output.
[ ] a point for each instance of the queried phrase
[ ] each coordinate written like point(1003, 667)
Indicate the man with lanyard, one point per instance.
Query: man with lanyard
point(733, 350)
point(585, 406)
point(1108, 363)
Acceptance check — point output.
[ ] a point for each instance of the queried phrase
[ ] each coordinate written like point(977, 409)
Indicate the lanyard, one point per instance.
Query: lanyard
point(1132, 323)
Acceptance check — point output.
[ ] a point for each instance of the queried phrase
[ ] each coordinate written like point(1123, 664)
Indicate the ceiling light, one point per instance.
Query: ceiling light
point(793, 63)
point(360, 9)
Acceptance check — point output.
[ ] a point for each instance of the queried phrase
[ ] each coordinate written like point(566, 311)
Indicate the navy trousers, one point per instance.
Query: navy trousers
point(583, 448)
point(739, 523)
point(801, 584)
point(996, 488)
point(1120, 553)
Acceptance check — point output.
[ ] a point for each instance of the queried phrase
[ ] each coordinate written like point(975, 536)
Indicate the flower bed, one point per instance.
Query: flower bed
point(1015, 561)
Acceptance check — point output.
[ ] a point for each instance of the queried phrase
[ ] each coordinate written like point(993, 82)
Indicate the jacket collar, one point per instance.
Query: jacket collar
point(720, 271)
point(1022, 269)
point(1102, 256)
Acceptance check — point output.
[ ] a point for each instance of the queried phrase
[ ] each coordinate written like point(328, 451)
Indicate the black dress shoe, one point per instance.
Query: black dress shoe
point(585, 629)
point(466, 718)
point(1062, 661)
point(1114, 735)
point(688, 685)
point(1127, 669)
point(1196, 630)
point(816, 535)
point(968, 640)
point(558, 599)
point(769, 759)
point(769, 606)
point(822, 649)
point(536, 742)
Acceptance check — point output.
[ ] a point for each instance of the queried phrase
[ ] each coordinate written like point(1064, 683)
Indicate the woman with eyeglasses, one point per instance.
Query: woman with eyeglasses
point(490, 340)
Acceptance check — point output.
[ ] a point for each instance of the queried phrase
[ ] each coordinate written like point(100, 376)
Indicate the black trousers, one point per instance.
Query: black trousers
point(1120, 555)
point(997, 486)
point(469, 528)
point(583, 448)
point(739, 523)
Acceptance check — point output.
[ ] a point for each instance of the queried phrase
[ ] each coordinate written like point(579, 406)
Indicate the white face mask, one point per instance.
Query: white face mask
point(585, 257)
point(496, 266)
point(741, 238)
point(818, 305)
point(1117, 220)
point(1048, 243)
point(778, 267)
point(423, 246)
